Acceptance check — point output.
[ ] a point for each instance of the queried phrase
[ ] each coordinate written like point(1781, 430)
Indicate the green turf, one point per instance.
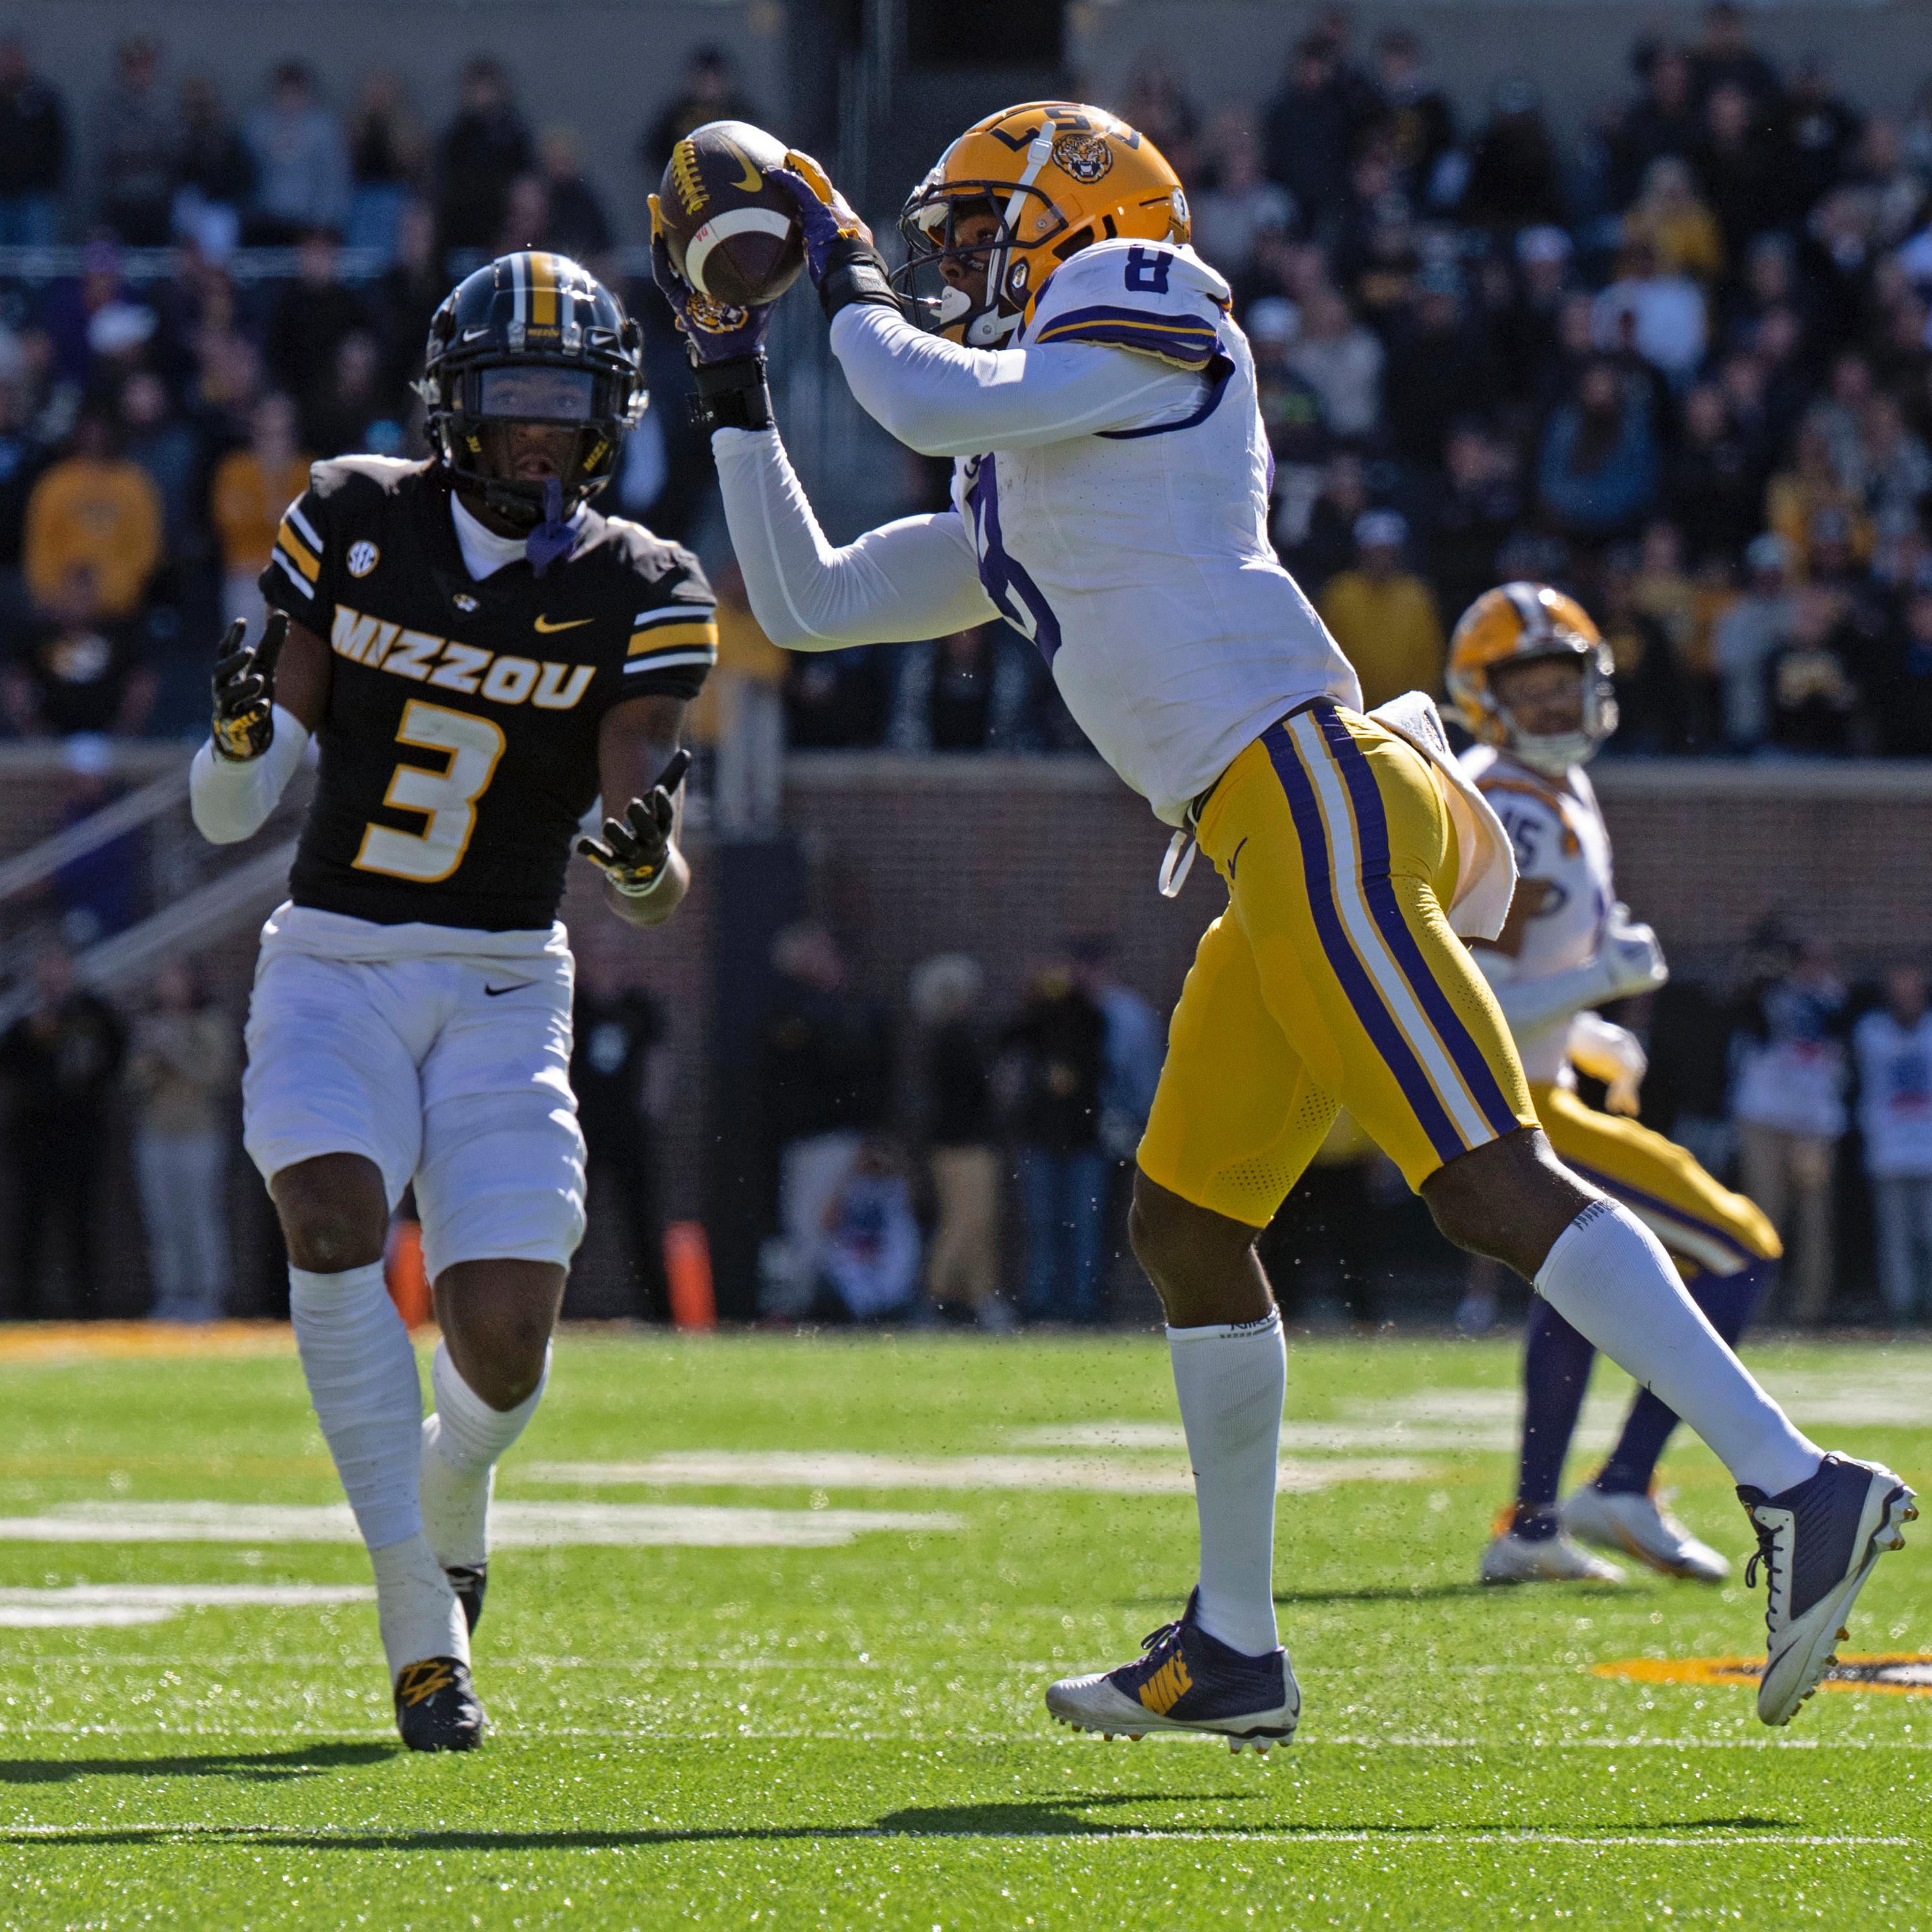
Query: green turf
point(854, 1736)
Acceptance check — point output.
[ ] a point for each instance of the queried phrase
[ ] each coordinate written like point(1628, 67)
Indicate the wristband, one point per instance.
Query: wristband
point(644, 890)
point(732, 395)
point(855, 271)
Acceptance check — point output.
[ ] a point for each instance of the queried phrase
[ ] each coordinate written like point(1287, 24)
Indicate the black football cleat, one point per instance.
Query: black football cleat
point(437, 1708)
point(470, 1585)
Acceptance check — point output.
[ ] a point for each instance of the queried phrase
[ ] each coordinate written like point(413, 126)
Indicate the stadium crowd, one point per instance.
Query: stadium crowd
point(1681, 362)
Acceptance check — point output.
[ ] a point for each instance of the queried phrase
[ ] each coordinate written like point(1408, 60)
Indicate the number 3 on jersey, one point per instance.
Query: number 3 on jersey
point(447, 799)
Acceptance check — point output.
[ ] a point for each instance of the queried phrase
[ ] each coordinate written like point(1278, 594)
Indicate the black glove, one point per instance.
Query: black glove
point(634, 850)
point(244, 689)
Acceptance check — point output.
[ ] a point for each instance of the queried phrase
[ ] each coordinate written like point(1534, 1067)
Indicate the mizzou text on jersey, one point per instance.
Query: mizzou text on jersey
point(459, 748)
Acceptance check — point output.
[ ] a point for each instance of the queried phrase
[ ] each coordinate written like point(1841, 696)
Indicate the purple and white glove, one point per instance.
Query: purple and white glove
point(725, 346)
point(840, 257)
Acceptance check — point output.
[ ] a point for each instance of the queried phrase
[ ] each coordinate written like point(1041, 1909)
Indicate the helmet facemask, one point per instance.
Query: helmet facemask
point(1554, 753)
point(1022, 219)
point(523, 478)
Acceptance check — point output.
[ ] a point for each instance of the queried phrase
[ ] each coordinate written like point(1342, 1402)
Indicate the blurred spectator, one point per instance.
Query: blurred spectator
point(1812, 697)
point(1416, 123)
point(137, 148)
point(252, 486)
point(1645, 661)
point(869, 1263)
point(1891, 1047)
point(1597, 472)
point(1320, 1246)
point(1725, 57)
point(740, 715)
point(576, 225)
point(1787, 1098)
point(710, 92)
point(1241, 201)
point(836, 700)
point(302, 161)
point(165, 445)
point(33, 152)
point(21, 457)
point(78, 670)
point(1309, 129)
point(525, 216)
point(1795, 499)
point(1737, 167)
point(963, 1158)
point(1438, 368)
point(351, 415)
point(60, 1066)
point(1384, 617)
point(481, 152)
point(973, 691)
point(1659, 312)
point(217, 174)
point(617, 1033)
point(311, 316)
point(1715, 491)
point(824, 1078)
point(1513, 177)
point(388, 156)
point(1479, 506)
point(1902, 682)
point(183, 1068)
point(1817, 131)
point(95, 509)
point(1342, 361)
point(408, 295)
point(1058, 1042)
point(1136, 1044)
point(1328, 542)
point(1681, 232)
point(1748, 635)
point(1663, 120)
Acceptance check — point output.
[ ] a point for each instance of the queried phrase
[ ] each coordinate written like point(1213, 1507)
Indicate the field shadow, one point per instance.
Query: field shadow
point(1048, 1816)
point(1394, 1593)
point(257, 1767)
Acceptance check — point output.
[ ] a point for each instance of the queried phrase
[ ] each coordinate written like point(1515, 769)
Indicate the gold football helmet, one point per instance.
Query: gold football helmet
point(1514, 624)
point(1055, 176)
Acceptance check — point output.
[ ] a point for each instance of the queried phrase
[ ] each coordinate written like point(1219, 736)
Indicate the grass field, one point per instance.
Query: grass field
point(766, 1645)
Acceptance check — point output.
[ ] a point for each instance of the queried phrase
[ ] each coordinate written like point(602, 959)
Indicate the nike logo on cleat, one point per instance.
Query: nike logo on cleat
point(497, 992)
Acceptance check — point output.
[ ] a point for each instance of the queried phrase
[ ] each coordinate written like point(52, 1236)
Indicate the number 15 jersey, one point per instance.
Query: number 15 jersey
point(459, 745)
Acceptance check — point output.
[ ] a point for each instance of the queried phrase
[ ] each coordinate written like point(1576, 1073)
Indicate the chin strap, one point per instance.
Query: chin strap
point(554, 538)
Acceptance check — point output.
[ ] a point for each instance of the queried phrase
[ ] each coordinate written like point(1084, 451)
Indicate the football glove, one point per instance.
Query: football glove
point(713, 331)
point(635, 849)
point(840, 257)
point(1612, 1054)
point(1631, 960)
point(244, 689)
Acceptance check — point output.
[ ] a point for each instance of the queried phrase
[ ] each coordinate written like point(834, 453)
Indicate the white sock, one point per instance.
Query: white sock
point(1231, 1379)
point(362, 1374)
point(417, 1609)
point(461, 1443)
point(1609, 1277)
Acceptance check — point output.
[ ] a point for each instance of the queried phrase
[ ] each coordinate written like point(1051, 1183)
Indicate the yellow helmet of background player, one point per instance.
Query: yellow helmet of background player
point(1056, 176)
point(1515, 624)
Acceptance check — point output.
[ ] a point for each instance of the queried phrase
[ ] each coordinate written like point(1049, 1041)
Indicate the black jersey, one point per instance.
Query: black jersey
point(459, 750)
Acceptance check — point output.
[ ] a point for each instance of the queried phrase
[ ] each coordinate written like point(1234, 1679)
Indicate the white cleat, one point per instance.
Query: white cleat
point(1511, 1558)
point(1817, 1543)
point(1640, 1526)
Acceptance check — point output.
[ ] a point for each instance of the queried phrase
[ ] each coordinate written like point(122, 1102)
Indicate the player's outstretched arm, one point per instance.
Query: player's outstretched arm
point(267, 698)
point(646, 876)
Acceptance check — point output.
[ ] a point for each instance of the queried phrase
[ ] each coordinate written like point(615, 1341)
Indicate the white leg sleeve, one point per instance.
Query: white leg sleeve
point(1609, 1277)
point(462, 1443)
point(1231, 1380)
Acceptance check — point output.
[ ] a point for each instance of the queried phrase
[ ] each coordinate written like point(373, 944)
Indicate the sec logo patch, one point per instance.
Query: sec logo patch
point(362, 559)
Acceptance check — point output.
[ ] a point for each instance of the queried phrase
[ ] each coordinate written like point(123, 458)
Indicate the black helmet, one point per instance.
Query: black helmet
point(497, 330)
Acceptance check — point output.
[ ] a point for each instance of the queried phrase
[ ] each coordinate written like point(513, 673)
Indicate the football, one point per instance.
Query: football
point(733, 234)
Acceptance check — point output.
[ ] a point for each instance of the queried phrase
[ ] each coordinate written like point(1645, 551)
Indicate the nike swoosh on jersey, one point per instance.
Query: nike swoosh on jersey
point(568, 624)
point(752, 181)
point(497, 992)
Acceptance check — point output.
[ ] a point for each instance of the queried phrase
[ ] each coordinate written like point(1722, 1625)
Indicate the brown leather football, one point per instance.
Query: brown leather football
point(732, 233)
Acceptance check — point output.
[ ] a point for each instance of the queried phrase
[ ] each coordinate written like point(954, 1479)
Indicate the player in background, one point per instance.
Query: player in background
point(1110, 497)
point(1531, 678)
point(478, 655)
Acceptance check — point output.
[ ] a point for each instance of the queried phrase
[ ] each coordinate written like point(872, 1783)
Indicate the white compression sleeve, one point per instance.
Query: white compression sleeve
point(1609, 1278)
point(943, 400)
point(231, 801)
point(462, 1443)
point(1231, 1380)
point(1527, 1004)
point(915, 578)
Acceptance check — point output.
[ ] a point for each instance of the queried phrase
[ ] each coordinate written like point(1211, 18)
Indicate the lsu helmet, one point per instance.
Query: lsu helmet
point(531, 337)
point(1519, 623)
point(1056, 176)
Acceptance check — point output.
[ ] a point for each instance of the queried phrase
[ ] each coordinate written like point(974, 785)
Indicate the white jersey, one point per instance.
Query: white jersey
point(1111, 505)
point(1561, 845)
